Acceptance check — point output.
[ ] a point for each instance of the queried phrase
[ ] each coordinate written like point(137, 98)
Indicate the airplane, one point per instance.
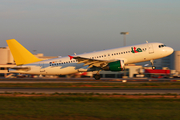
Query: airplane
point(109, 60)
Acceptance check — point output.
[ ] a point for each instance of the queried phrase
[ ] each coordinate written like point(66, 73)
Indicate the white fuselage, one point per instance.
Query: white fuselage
point(130, 54)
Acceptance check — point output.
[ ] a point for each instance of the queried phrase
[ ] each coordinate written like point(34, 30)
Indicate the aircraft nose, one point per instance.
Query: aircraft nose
point(170, 50)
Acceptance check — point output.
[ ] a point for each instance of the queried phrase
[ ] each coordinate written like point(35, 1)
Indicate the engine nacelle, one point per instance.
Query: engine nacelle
point(115, 66)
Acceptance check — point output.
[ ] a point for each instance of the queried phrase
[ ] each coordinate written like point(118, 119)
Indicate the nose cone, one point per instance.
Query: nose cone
point(169, 50)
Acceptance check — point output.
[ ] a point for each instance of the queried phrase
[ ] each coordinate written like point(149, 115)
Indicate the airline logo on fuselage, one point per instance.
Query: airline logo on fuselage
point(135, 50)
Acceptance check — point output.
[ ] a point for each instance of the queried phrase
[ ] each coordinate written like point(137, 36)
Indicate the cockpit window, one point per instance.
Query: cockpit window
point(161, 46)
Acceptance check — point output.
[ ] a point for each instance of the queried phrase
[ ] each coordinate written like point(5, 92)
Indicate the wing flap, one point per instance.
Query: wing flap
point(90, 62)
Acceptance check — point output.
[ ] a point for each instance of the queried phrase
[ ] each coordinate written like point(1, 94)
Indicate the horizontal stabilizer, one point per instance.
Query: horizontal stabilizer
point(21, 68)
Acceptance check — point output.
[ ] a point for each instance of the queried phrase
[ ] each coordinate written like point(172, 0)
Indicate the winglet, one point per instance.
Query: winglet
point(20, 54)
point(71, 57)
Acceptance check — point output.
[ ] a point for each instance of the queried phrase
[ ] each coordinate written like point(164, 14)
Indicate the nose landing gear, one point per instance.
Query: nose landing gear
point(152, 63)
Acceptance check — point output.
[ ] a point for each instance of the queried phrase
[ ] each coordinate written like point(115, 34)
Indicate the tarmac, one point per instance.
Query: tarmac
point(84, 80)
point(87, 90)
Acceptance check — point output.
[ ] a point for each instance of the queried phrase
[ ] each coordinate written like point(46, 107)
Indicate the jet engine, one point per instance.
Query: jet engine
point(115, 66)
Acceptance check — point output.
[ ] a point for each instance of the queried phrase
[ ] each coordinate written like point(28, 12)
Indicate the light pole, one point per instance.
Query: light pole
point(124, 33)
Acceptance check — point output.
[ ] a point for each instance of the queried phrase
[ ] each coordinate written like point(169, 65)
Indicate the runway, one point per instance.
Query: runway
point(87, 90)
point(90, 90)
point(84, 80)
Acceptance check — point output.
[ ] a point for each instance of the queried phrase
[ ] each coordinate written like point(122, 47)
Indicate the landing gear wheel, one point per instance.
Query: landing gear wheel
point(97, 77)
point(152, 63)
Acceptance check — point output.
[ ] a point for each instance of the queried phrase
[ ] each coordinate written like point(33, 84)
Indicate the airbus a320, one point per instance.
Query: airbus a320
point(110, 59)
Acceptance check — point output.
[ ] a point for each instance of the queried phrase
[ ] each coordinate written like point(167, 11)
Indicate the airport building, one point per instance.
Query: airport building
point(175, 61)
point(171, 62)
point(6, 60)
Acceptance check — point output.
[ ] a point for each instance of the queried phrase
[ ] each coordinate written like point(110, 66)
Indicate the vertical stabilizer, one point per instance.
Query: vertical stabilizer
point(21, 54)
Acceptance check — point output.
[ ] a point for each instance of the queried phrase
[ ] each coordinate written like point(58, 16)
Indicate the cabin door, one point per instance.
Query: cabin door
point(150, 48)
point(42, 68)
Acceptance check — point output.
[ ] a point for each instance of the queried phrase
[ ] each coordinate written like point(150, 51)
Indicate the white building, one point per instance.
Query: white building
point(6, 60)
point(175, 61)
point(6, 56)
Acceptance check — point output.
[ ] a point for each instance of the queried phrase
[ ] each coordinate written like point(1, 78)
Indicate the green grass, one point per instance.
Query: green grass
point(88, 108)
point(163, 85)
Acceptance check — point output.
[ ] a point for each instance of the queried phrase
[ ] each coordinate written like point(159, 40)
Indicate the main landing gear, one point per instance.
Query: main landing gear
point(152, 63)
point(97, 76)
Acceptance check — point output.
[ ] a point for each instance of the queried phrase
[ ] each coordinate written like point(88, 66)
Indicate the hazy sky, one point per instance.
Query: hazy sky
point(62, 27)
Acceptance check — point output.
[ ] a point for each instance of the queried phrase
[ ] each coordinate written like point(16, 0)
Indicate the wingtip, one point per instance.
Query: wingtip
point(71, 57)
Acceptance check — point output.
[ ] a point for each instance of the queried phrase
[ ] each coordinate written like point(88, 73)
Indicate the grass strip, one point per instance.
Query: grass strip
point(88, 107)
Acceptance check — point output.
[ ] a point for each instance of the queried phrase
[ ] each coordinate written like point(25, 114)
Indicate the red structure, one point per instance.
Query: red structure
point(157, 71)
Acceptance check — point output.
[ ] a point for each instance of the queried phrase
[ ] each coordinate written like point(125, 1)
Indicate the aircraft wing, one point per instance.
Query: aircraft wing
point(91, 62)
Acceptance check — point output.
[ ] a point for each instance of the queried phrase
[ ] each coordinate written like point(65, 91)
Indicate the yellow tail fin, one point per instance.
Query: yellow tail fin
point(21, 54)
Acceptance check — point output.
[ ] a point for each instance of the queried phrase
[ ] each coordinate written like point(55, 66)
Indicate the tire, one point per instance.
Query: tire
point(97, 77)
